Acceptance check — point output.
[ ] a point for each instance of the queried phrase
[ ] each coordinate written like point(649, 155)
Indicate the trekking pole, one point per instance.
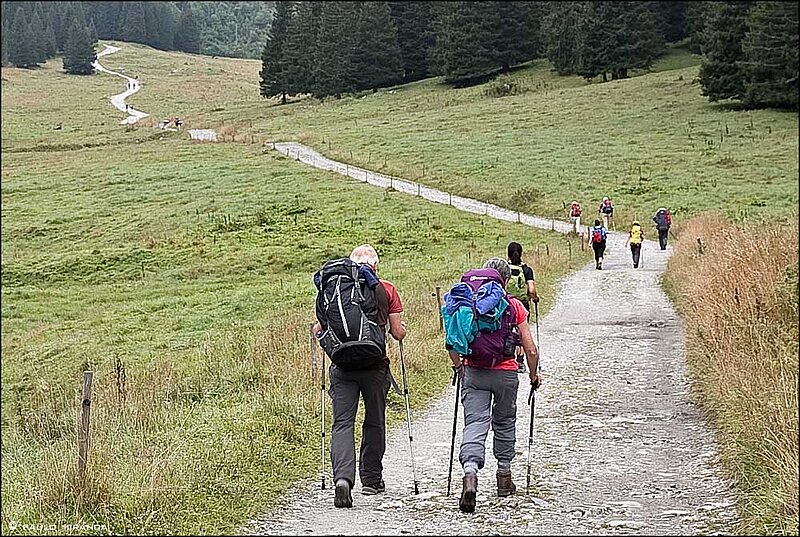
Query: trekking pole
point(532, 403)
point(457, 384)
point(322, 427)
point(408, 418)
point(536, 314)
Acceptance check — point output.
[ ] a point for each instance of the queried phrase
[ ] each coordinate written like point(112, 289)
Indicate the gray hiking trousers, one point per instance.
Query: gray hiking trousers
point(489, 396)
point(346, 386)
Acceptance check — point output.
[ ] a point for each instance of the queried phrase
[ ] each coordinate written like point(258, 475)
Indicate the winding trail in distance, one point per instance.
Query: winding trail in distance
point(119, 100)
point(619, 445)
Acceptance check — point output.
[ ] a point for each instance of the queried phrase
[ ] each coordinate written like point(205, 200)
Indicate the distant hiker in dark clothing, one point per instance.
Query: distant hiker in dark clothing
point(381, 306)
point(663, 221)
point(522, 286)
point(598, 243)
point(635, 238)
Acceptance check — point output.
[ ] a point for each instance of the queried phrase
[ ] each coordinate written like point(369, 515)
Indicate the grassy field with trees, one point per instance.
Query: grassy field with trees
point(180, 272)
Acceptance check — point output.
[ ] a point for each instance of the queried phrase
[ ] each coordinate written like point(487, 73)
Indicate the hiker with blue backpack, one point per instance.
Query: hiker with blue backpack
point(598, 237)
point(354, 309)
point(522, 286)
point(484, 325)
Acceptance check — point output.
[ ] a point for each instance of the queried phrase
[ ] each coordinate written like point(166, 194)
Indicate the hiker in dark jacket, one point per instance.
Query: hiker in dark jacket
point(373, 385)
point(663, 221)
point(522, 286)
point(489, 397)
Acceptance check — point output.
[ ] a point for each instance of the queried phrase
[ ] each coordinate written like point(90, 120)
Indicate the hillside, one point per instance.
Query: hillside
point(179, 271)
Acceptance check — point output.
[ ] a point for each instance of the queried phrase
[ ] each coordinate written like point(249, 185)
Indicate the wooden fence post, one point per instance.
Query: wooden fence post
point(83, 434)
point(439, 303)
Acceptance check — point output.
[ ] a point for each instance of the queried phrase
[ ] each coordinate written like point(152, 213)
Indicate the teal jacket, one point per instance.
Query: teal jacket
point(461, 327)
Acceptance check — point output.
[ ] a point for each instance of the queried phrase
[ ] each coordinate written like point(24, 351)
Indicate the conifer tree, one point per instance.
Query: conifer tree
point(301, 48)
point(721, 76)
point(770, 64)
point(49, 42)
point(38, 40)
point(514, 29)
point(187, 37)
point(599, 34)
point(335, 50)
point(273, 59)
point(561, 36)
point(21, 48)
point(465, 43)
point(79, 51)
point(377, 55)
point(133, 25)
point(415, 36)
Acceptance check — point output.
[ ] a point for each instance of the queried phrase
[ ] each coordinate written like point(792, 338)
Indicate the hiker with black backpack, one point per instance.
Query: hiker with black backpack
point(663, 221)
point(354, 308)
point(484, 325)
point(598, 236)
point(606, 211)
point(522, 286)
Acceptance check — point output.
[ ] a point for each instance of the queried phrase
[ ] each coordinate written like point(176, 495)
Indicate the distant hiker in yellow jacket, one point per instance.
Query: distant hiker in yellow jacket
point(635, 238)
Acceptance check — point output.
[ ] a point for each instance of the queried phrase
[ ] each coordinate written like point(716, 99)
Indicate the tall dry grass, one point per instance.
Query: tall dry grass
point(737, 287)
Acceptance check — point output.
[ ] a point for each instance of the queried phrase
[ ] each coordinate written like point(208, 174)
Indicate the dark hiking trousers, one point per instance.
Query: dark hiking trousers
point(489, 397)
point(346, 386)
point(662, 238)
point(599, 249)
point(636, 250)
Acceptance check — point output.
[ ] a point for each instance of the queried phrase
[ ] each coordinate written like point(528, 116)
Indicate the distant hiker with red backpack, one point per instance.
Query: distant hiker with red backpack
point(522, 286)
point(598, 236)
point(606, 212)
point(575, 215)
point(484, 324)
point(635, 238)
point(354, 308)
point(663, 222)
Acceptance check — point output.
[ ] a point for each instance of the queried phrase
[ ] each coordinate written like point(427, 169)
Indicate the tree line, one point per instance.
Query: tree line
point(33, 32)
point(235, 29)
point(337, 47)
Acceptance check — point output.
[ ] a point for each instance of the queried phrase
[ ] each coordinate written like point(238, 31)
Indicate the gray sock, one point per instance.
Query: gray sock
point(470, 468)
point(342, 482)
point(504, 467)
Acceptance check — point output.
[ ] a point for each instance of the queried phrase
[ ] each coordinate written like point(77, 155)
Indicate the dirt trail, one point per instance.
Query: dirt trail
point(119, 100)
point(619, 446)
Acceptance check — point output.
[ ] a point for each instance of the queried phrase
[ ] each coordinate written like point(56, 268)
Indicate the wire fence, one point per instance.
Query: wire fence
point(307, 155)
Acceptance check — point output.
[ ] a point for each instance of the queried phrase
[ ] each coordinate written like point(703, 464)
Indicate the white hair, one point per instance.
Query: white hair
point(365, 254)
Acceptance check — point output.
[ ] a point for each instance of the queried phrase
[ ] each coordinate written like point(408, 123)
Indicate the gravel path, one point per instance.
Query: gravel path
point(619, 446)
point(119, 100)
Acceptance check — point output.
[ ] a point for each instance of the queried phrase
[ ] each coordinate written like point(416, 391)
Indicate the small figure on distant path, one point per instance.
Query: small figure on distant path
point(663, 221)
point(606, 212)
point(598, 243)
point(635, 237)
point(575, 215)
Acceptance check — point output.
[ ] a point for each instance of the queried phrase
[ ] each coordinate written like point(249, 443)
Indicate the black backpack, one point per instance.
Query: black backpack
point(347, 310)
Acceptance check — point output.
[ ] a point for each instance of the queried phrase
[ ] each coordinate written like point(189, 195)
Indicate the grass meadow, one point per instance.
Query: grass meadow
point(737, 289)
point(180, 271)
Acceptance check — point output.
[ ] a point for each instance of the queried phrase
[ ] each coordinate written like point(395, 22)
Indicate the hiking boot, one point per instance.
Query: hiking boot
point(505, 486)
point(375, 488)
point(342, 497)
point(467, 502)
point(521, 364)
